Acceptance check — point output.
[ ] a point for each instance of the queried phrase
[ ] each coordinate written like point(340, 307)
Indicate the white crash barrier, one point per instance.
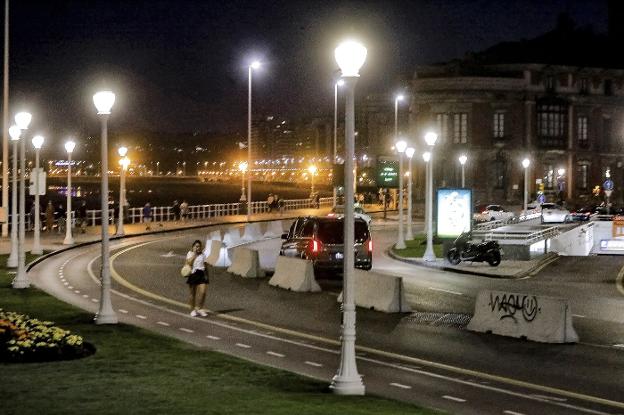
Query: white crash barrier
point(246, 263)
point(218, 255)
point(538, 318)
point(294, 274)
point(274, 229)
point(577, 242)
point(379, 292)
point(252, 232)
point(232, 237)
point(215, 235)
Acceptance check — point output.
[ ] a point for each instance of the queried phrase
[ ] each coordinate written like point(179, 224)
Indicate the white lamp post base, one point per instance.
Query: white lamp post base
point(400, 245)
point(429, 255)
point(12, 260)
point(68, 240)
point(36, 251)
point(20, 281)
point(409, 234)
point(347, 386)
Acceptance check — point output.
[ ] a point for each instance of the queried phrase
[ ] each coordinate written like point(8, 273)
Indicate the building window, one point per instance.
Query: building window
point(499, 124)
point(442, 121)
point(584, 86)
point(549, 177)
point(582, 173)
point(460, 128)
point(551, 121)
point(581, 132)
point(608, 87)
point(499, 171)
point(550, 83)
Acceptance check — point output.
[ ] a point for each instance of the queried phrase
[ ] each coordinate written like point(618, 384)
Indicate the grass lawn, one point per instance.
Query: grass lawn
point(416, 248)
point(135, 371)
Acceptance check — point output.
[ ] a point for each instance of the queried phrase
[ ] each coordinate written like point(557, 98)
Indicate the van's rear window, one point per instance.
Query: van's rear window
point(331, 232)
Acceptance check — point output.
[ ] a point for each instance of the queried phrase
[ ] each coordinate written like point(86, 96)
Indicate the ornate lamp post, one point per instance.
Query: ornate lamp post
point(69, 239)
point(243, 168)
point(104, 101)
point(312, 170)
point(409, 152)
point(525, 164)
point(254, 65)
point(123, 165)
point(400, 146)
point(37, 142)
point(430, 139)
point(340, 82)
point(350, 56)
point(22, 119)
point(15, 134)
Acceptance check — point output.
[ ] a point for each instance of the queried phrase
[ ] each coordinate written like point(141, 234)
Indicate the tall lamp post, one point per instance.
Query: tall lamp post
point(69, 239)
point(123, 165)
point(398, 98)
point(526, 163)
point(340, 82)
point(104, 101)
point(37, 142)
point(429, 256)
point(243, 168)
point(350, 56)
point(462, 161)
point(409, 152)
point(400, 146)
point(22, 119)
point(254, 65)
point(15, 134)
point(312, 170)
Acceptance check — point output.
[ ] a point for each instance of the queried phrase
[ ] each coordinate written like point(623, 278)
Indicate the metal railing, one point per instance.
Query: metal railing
point(525, 237)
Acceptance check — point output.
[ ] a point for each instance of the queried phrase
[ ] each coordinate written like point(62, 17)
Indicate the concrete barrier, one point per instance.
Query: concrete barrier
point(246, 263)
point(215, 235)
point(294, 274)
point(379, 292)
point(538, 318)
point(274, 229)
point(232, 237)
point(579, 241)
point(218, 255)
point(252, 232)
point(208, 247)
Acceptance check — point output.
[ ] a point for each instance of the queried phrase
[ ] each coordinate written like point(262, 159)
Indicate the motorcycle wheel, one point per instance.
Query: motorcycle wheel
point(453, 257)
point(494, 259)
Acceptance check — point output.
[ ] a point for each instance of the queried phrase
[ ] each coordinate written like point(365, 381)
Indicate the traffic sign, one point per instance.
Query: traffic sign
point(608, 184)
point(387, 172)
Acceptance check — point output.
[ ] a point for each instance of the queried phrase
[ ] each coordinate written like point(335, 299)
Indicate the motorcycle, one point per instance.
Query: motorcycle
point(464, 250)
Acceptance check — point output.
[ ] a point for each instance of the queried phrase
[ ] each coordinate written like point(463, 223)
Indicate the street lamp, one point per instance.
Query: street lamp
point(243, 168)
point(37, 142)
point(104, 101)
point(400, 146)
point(462, 161)
point(15, 134)
point(312, 170)
point(124, 162)
point(254, 65)
point(398, 98)
point(526, 163)
point(340, 82)
point(430, 139)
point(22, 119)
point(350, 56)
point(69, 239)
point(409, 152)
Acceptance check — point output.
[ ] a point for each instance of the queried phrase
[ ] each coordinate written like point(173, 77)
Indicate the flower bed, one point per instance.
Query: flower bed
point(23, 339)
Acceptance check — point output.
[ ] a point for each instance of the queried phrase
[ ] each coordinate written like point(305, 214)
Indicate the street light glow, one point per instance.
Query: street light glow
point(350, 56)
point(22, 119)
point(400, 97)
point(312, 169)
point(561, 172)
point(340, 82)
point(431, 138)
point(401, 145)
point(426, 156)
point(122, 151)
point(37, 141)
point(104, 101)
point(526, 163)
point(69, 146)
point(463, 159)
point(242, 166)
point(15, 132)
point(255, 65)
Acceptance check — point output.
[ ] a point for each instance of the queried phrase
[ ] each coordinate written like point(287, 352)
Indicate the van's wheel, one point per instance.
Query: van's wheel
point(453, 257)
point(494, 259)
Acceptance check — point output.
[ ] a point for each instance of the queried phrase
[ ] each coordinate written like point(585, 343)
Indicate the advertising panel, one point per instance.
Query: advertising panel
point(454, 212)
point(387, 172)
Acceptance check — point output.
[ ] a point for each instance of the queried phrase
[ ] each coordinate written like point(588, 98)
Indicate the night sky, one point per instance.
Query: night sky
point(181, 66)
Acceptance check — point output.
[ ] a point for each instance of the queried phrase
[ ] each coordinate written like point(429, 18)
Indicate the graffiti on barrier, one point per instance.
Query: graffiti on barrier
point(510, 304)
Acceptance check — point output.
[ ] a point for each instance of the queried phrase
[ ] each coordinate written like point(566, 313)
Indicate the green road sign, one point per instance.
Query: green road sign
point(387, 173)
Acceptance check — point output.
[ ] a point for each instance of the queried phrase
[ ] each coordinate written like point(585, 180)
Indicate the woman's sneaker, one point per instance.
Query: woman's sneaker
point(202, 312)
point(194, 313)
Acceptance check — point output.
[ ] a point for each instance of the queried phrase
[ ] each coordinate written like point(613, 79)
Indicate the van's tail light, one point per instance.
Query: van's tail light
point(315, 246)
point(370, 245)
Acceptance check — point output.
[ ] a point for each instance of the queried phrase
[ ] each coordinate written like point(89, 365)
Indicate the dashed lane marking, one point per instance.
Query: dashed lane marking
point(270, 353)
point(512, 413)
point(453, 398)
point(550, 398)
point(121, 310)
point(77, 291)
point(445, 291)
point(162, 323)
point(399, 385)
point(578, 315)
point(243, 345)
point(141, 317)
point(620, 346)
point(315, 364)
point(208, 336)
point(70, 287)
point(85, 295)
point(187, 330)
point(95, 300)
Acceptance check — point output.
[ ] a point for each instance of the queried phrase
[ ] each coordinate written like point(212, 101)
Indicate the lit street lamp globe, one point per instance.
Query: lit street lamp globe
point(463, 159)
point(526, 163)
point(400, 146)
point(431, 138)
point(104, 101)
point(350, 56)
point(22, 119)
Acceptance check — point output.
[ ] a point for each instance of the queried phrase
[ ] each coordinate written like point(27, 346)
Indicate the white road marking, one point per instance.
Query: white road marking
point(77, 291)
point(162, 323)
point(65, 283)
point(307, 362)
point(70, 287)
point(187, 330)
point(452, 398)
point(95, 300)
point(619, 345)
point(512, 413)
point(208, 336)
point(550, 398)
point(275, 354)
point(398, 385)
point(141, 317)
point(244, 346)
point(85, 295)
point(121, 310)
point(445, 291)
point(168, 254)
point(578, 315)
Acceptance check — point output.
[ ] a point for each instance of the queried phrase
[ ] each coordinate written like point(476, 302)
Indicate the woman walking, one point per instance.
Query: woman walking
point(198, 279)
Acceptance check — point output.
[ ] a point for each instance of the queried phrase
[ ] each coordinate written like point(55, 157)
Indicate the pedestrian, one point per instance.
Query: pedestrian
point(175, 209)
point(60, 218)
point(147, 216)
point(81, 214)
point(270, 201)
point(197, 280)
point(280, 205)
point(184, 210)
point(49, 213)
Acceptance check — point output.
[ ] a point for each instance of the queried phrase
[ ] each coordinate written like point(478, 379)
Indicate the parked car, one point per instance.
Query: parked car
point(552, 212)
point(359, 212)
point(321, 240)
point(583, 214)
point(494, 212)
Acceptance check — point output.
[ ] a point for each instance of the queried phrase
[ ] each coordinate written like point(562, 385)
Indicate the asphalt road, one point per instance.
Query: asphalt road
point(424, 357)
